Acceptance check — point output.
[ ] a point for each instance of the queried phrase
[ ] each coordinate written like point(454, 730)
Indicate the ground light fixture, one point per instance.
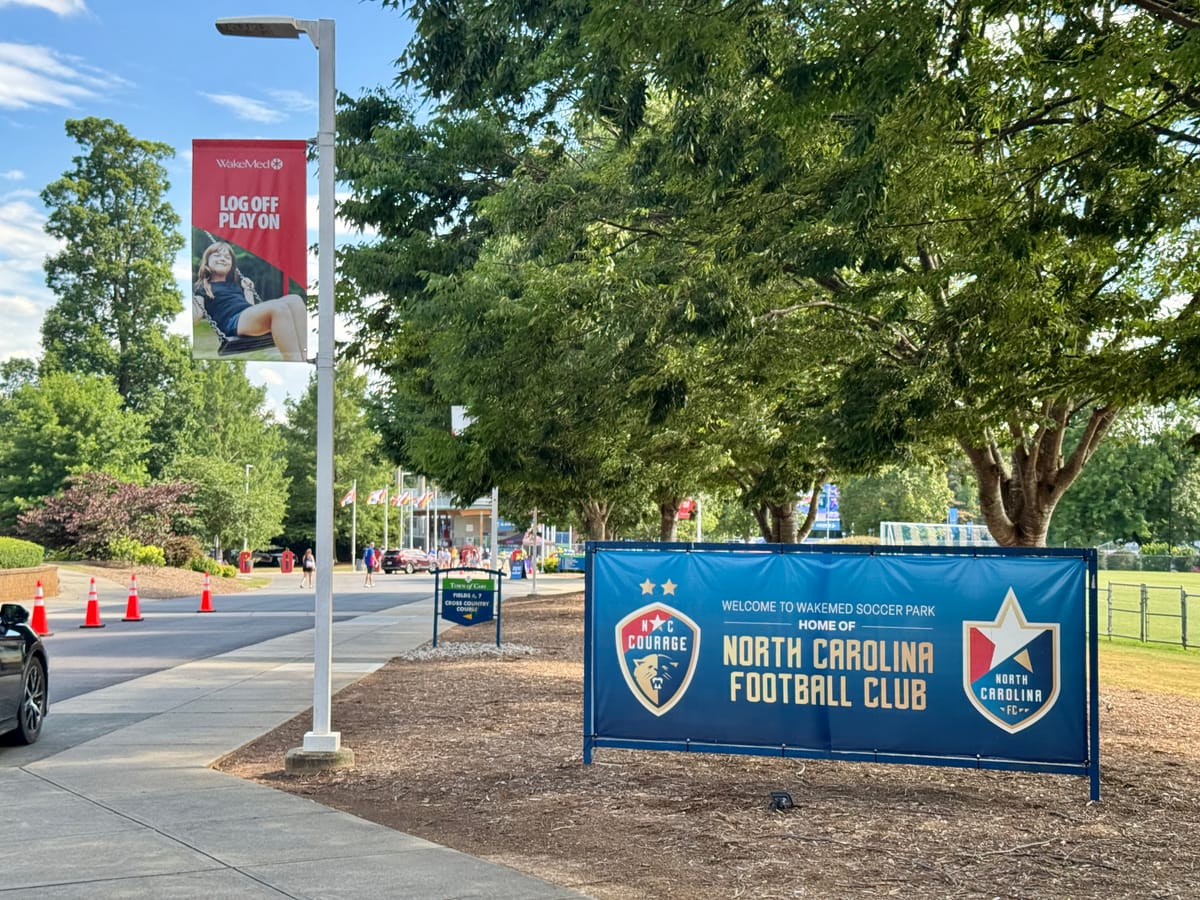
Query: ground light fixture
point(322, 747)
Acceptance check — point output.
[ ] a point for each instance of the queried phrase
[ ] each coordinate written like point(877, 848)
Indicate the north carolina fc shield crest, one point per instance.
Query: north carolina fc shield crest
point(1011, 667)
point(658, 647)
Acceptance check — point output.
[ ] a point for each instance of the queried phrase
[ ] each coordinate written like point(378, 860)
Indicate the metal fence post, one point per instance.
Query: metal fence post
point(1145, 612)
point(1108, 602)
point(1183, 605)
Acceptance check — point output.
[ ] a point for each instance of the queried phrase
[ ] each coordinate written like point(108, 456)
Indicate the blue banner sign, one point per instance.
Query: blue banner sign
point(467, 601)
point(978, 658)
point(571, 562)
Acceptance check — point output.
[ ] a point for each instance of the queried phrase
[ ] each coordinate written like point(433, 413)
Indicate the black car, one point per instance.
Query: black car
point(408, 560)
point(270, 557)
point(24, 688)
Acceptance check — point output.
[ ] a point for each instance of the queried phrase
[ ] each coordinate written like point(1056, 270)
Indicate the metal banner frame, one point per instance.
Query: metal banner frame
point(974, 657)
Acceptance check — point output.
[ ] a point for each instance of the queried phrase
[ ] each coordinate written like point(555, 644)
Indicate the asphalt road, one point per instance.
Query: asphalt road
point(173, 632)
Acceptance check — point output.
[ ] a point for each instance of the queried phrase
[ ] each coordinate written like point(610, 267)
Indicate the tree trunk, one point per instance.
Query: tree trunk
point(810, 518)
point(668, 523)
point(783, 523)
point(763, 517)
point(595, 519)
point(1017, 496)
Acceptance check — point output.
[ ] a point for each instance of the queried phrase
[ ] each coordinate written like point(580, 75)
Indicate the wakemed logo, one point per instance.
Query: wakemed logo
point(1010, 667)
point(658, 647)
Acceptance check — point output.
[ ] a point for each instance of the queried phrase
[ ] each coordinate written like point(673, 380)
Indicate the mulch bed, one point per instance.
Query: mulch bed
point(483, 753)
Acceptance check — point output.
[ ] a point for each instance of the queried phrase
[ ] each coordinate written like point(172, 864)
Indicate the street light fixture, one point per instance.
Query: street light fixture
point(322, 747)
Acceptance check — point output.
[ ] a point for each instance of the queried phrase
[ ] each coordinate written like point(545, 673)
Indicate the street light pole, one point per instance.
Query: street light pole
point(246, 512)
point(322, 747)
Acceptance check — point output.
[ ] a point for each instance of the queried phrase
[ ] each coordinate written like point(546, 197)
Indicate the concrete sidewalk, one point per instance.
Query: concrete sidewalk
point(136, 811)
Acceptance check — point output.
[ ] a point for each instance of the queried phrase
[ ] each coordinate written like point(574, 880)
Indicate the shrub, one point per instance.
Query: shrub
point(123, 549)
point(98, 509)
point(207, 564)
point(18, 554)
point(1121, 559)
point(179, 550)
point(130, 551)
point(149, 555)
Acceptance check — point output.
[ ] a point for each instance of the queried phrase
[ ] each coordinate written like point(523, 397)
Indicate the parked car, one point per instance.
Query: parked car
point(407, 560)
point(269, 557)
point(24, 688)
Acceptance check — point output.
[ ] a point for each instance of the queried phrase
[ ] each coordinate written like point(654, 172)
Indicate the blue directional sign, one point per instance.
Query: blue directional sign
point(467, 601)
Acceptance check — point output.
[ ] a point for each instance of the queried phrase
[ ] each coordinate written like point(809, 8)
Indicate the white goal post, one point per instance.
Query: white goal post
point(926, 534)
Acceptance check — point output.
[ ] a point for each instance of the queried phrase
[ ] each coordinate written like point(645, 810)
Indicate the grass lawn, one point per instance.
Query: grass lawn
point(1189, 581)
point(1146, 667)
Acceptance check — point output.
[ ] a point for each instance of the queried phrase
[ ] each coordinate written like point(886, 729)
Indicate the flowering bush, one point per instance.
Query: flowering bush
point(98, 510)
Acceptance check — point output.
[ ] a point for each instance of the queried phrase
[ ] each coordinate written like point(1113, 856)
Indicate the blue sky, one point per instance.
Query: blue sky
point(163, 71)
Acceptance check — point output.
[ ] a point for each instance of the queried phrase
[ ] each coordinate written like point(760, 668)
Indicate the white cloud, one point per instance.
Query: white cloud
point(246, 108)
point(13, 175)
point(342, 229)
point(14, 306)
point(40, 76)
point(24, 243)
point(295, 101)
point(22, 332)
point(24, 246)
point(58, 7)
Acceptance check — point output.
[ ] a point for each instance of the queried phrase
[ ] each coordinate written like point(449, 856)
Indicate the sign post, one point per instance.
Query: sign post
point(467, 596)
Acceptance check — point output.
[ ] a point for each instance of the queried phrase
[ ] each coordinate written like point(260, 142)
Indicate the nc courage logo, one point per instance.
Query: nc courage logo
point(658, 647)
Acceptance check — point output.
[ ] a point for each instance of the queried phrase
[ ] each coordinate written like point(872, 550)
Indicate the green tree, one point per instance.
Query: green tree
point(230, 431)
point(16, 372)
point(995, 225)
point(116, 290)
point(63, 425)
point(1141, 485)
point(895, 495)
point(357, 456)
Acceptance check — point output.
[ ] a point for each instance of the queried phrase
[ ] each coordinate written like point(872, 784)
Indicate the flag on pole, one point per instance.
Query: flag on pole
point(425, 498)
point(376, 497)
point(351, 496)
point(404, 499)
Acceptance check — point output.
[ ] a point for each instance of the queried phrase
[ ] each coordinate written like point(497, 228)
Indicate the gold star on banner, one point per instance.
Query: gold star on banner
point(669, 587)
point(647, 586)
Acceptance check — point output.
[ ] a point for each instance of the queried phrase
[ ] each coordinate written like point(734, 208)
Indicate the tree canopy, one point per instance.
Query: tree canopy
point(979, 224)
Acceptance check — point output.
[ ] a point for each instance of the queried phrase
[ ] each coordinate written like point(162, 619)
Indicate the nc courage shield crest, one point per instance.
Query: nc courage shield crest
point(658, 647)
point(1011, 667)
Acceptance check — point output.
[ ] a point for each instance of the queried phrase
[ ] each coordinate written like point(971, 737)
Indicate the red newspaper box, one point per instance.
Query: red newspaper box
point(244, 564)
point(287, 559)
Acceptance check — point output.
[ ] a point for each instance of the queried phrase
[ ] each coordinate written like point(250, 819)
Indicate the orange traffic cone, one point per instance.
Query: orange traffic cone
point(39, 624)
point(206, 597)
point(92, 618)
point(133, 612)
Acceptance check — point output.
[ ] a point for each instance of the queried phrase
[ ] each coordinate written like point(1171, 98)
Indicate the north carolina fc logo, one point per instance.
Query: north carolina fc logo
point(1010, 667)
point(658, 647)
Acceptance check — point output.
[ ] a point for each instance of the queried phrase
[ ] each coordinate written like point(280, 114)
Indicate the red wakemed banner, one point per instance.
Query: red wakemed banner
point(252, 196)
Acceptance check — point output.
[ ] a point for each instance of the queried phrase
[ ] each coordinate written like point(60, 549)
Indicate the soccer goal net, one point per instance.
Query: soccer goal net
point(935, 535)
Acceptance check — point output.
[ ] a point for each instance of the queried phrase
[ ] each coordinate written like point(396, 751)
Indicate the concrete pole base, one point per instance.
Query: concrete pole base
point(299, 760)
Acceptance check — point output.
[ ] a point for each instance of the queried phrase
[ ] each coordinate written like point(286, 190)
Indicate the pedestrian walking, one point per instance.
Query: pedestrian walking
point(370, 559)
point(308, 568)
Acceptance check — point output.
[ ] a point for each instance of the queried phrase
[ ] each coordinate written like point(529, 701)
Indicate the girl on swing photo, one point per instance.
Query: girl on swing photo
point(228, 300)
